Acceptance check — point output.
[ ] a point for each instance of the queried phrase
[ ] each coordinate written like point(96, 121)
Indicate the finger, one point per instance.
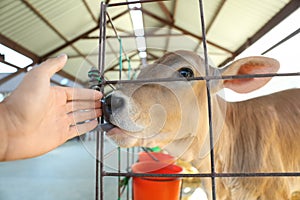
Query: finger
point(82, 116)
point(80, 129)
point(82, 94)
point(53, 65)
point(82, 105)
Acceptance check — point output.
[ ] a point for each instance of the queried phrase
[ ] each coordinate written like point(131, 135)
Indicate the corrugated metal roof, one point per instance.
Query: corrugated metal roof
point(43, 26)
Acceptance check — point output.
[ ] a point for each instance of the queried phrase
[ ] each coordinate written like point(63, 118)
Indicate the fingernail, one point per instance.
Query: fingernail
point(61, 55)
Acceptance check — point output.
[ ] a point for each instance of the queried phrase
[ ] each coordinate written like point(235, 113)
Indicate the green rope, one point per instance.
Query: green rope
point(121, 60)
point(129, 66)
point(95, 75)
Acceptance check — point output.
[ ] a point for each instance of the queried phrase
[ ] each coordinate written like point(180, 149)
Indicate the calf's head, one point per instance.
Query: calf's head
point(174, 114)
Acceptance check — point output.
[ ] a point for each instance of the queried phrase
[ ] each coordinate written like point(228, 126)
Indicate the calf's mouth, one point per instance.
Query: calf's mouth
point(107, 112)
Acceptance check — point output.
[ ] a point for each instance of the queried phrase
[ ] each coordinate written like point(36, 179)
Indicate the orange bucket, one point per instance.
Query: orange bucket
point(158, 188)
point(162, 157)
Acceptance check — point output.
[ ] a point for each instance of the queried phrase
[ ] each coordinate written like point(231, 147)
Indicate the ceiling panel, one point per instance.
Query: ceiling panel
point(231, 23)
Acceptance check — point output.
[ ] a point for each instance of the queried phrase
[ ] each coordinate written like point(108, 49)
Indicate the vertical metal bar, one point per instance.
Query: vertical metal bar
point(128, 165)
point(119, 171)
point(212, 156)
point(132, 162)
point(100, 135)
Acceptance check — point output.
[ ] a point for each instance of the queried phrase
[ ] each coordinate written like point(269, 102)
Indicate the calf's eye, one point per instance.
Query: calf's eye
point(186, 72)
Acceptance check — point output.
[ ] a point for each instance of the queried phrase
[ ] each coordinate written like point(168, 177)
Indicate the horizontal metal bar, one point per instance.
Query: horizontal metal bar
point(227, 77)
point(133, 2)
point(207, 175)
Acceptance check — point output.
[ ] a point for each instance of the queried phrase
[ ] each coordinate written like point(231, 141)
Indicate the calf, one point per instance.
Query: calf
point(257, 135)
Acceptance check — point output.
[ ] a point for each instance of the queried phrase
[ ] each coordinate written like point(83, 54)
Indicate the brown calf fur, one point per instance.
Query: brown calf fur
point(257, 135)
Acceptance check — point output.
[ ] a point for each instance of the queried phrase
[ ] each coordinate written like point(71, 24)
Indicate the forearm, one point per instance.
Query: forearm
point(3, 131)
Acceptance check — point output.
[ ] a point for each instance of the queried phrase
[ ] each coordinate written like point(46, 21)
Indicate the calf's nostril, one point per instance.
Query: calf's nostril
point(110, 104)
point(117, 102)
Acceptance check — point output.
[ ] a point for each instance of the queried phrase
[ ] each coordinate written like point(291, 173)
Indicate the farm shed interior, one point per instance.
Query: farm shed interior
point(42, 29)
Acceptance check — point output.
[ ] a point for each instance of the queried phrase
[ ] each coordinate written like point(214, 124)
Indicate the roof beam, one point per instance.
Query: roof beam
point(13, 45)
point(69, 43)
point(281, 15)
point(36, 12)
point(7, 78)
point(153, 56)
point(173, 21)
point(7, 63)
point(89, 10)
point(20, 70)
point(85, 34)
point(133, 36)
point(183, 30)
point(219, 8)
point(164, 8)
point(221, 5)
point(70, 77)
point(133, 2)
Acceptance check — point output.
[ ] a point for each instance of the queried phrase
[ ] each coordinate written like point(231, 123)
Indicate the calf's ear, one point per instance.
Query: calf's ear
point(250, 65)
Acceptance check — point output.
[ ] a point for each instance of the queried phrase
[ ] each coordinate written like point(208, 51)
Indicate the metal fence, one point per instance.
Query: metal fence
point(101, 173)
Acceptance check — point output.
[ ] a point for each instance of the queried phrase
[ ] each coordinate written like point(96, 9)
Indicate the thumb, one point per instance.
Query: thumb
point(53, 65)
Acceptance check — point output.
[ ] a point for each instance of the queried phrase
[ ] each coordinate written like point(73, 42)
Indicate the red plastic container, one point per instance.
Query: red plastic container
point(162, 157)
point(158, 188)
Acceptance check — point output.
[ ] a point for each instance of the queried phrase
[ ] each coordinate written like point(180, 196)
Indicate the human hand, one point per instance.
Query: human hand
point(37, 118)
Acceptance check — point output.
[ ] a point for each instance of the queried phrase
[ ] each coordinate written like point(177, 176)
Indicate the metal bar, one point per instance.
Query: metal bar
point(150, 155)
point(133, 2)
point(118, 15)
point(100, 135)
point(208, 175)
point(203, 78)
point(119, 171)
point(127, 167)
point(117, 35)
point(182, 29)
point(281, 15)
point(282, 41)
point(90, 11)
point(207, 72)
